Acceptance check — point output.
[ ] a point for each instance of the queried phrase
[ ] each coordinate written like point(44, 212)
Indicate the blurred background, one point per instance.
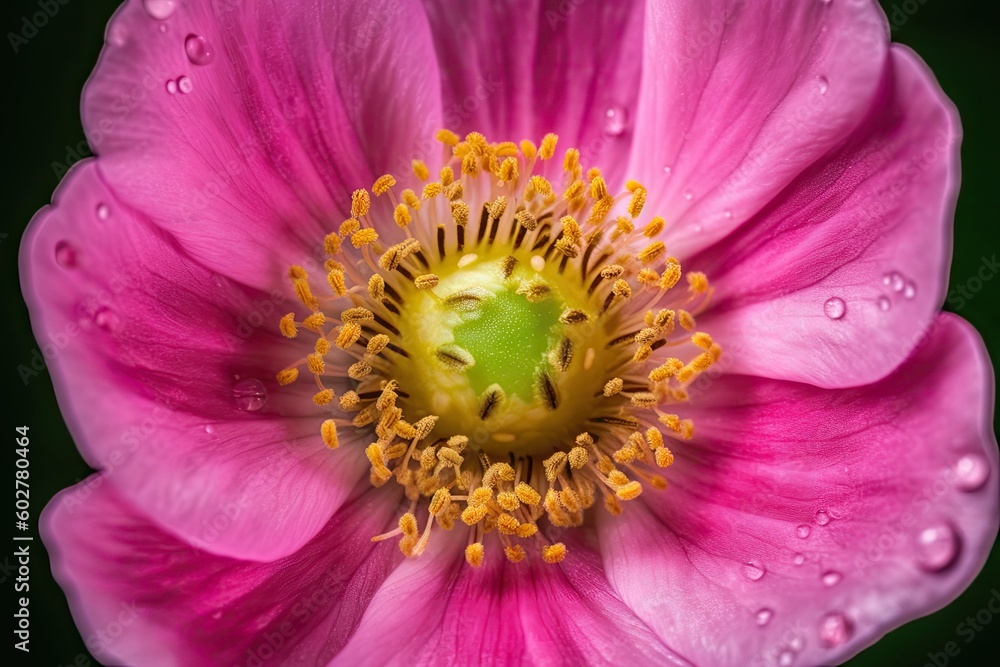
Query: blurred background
point(43, 80)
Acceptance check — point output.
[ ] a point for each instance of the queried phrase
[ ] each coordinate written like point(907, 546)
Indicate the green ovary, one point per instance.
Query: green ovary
point(510, 341)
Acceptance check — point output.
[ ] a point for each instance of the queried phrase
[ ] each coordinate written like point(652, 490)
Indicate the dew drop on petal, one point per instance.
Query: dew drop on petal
point(884, 304)
point(835, 308)
point(688, 195)
point(786, 658)
point(171, 86)
point(822, 518)
point(799, 559)
point(184, 85)
point(106, 319)
point(198, 50)
point(887, 279)
point(163, 27)
point(796, 643)
point(896, 281)
point(831, 578)
point(937, 547)
point(65, 255)
point(971, 472)
point(803, 531)
point(667, 170)
point(834, 629)
point(753, 570)
point(910, 289)
point(160, 9)
point(727, 214)
point(250, 394)
point(216, 615)
point(103, 212)
point(824, 85)
point(209, 429)
point(117, 34)
point(764, 616)
point(615, 121)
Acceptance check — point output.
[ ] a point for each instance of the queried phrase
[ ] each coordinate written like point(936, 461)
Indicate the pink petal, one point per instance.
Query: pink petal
point(738, 98)
point(811, 521)
point(835, 281)
point(300, 104)
point(437, 610)
point(517, 70)
point(140, 596)
point(144, 347)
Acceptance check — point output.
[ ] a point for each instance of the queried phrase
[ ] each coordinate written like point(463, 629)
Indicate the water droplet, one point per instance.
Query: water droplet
point(753, 570)
point(834, 629)
point(786, 658)
point(171, 86)
point(822, 518)
point(803, 531)
point(897, 282)
point(103, 212)
point(209, 429)
point(727, 213)
point(667, 170)
point(910, 290)
point(824, 85)
point(615, 121)
point(835, 308)
point(106, 319)
point(65, 255)
point(884, 304)
point(831, 578)
point(198, 50)
point(163, 27)
point(184, 85)
point(937, 547)
point(764, 616)
point(250, 394)
point(825, 2)
point(971, 472)
point(799, 559)
point(217, 615)
point(160, 9)
point(117, 35)
point(796, 643)
point(887, 279)
point(688, 195)
point(696, 227)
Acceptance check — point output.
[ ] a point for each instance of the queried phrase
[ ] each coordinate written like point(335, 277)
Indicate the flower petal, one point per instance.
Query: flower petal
point(253, 157)
point(437, 610)
point(738, 98)
point(140, 596)
point(150, 355)
point(809, 522)
point(852, 261)
point(517, 70)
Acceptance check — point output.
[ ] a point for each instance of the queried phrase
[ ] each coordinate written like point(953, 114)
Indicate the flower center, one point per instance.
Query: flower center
point(515, 355)
point(493, 357)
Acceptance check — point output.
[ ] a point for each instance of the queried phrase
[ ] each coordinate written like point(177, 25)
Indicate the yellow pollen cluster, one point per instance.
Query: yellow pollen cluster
point(548, 223)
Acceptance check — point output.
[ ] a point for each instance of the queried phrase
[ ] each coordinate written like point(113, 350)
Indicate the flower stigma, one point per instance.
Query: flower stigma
point(520, 350)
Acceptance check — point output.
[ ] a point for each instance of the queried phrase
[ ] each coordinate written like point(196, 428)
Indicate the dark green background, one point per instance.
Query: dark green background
point(958, 38)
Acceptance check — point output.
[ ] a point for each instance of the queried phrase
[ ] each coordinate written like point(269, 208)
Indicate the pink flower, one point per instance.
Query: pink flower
point(491, 399)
